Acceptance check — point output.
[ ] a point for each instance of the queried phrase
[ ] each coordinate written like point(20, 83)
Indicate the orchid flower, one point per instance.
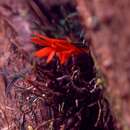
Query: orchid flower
point(62, 48)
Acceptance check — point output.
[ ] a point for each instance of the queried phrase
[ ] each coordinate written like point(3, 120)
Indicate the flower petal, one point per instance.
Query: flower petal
point(40, 41)
point(42, 37)
point(43, 52)
point(63, 57)
point(50, 56)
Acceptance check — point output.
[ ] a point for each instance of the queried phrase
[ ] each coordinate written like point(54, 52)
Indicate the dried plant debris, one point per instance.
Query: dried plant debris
point(63, 97)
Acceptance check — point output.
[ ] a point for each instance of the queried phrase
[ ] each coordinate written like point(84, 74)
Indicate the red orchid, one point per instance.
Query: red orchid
point(53, 46)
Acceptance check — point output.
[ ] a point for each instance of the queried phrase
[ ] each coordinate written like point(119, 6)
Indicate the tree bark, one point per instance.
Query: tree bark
point(107, 23)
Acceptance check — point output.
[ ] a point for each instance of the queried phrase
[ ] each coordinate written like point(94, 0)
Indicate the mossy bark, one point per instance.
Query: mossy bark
point(108, 25)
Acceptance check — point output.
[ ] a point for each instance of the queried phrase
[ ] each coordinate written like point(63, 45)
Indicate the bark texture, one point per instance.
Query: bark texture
point(108, 25)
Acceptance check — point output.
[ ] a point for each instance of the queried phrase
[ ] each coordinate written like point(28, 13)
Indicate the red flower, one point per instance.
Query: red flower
point(59, 47)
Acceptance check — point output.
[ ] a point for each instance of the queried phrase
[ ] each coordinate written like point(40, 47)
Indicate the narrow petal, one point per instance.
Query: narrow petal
point(62, 46)
point(43, 37)
point(50, 56)
point(43, 52)
point(40, 41)
point(63, 57)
